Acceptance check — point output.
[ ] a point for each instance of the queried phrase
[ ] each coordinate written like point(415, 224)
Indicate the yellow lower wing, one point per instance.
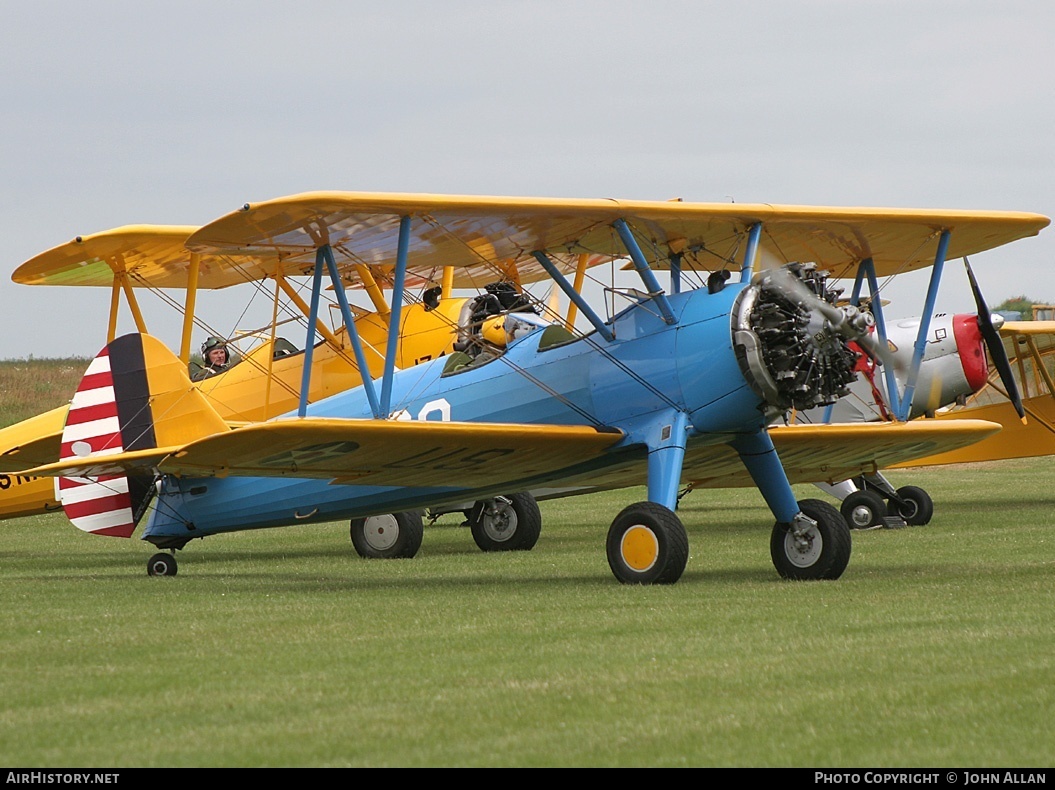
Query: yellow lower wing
point(809, 454)
point(1016, 440)
point(376, 452)
point(33, 441)
point(369, 452)
point(832, 453)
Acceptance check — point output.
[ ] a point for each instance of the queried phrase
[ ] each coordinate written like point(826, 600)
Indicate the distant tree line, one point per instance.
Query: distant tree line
point(1022, 305)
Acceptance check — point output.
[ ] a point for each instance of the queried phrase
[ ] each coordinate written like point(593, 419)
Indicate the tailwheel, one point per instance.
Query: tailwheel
point(817, 550)
point(388, 536)
point(863, 509)
point(506, 523)
point(914, 505)
point(647, 544)
point(161, 565)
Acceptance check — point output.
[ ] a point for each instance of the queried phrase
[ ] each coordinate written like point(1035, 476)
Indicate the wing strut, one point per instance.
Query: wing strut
point(130, 297)
point(867, 269)
point(580, 274)
point(643, 269)
point(675, 273)
point(573, 295)
point(309, 343)
point(115, 306)
point(753, 237)
point(924, 326)
point(397, 307)
point(189, 307)
point(353, 333)
point(324, 256)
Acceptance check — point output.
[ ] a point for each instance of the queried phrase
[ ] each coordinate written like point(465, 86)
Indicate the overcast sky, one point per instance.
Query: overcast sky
point(173, 112)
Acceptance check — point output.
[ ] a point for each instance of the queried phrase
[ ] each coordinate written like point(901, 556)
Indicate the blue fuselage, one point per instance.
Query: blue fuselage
point(648, 372)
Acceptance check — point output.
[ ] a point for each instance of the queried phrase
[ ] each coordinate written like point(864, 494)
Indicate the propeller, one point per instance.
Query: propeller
point(994, 345)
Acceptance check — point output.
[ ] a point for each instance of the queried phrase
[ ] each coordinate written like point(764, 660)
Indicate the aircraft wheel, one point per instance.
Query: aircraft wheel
point(161, 565)
point(388, 536)
point(821, 553)
point(647, 544)
point(507, 523)
point(863, 509)
point(918, 508)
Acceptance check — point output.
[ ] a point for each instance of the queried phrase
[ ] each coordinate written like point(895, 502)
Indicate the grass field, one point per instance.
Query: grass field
point(283, 648)
point(31, 386)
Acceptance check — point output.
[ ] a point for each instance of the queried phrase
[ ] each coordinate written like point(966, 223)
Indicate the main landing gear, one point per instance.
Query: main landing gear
point(388, 536)
point(876, 503)
point(816, 545)
point(647, 544)
point(504, 523)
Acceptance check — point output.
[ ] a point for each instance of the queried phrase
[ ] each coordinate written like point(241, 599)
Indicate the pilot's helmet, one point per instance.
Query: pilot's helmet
point(215, 342)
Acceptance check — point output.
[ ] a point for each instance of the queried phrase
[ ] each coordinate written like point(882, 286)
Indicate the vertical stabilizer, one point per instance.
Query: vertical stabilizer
point(135, 395)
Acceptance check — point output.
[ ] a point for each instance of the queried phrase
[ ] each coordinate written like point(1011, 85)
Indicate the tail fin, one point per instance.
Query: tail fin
point(135, 395)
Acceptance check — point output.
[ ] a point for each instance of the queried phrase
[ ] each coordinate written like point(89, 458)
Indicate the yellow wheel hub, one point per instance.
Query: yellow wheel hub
point(639, 548)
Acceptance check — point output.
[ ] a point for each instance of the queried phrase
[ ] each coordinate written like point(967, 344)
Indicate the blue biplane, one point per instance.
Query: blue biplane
point(678, 388)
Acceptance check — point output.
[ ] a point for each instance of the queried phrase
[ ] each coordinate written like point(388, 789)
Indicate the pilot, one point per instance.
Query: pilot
point(215, 358)
point(499, 298)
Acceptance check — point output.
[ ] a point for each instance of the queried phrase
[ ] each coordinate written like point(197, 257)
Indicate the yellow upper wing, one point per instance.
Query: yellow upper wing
point(156, 256)
point(151, 255)
point(477, 234)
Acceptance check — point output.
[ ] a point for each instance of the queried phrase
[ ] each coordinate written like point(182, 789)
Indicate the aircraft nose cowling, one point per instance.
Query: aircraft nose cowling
point(790, 339)
point(971, 348)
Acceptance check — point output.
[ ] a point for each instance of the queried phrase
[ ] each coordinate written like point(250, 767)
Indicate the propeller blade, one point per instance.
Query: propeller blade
point(995, 345)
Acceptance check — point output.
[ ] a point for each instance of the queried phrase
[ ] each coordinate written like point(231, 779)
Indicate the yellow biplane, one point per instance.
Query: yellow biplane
point(680, 387)
point(1030, 348)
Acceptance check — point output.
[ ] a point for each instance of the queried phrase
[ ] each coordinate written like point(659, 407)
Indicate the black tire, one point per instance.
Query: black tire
point(507, 523)
point(162, 565)
point(918, 507)
point(823, 553)
point(388, 535)
point(863, 509)
point(647, 544)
